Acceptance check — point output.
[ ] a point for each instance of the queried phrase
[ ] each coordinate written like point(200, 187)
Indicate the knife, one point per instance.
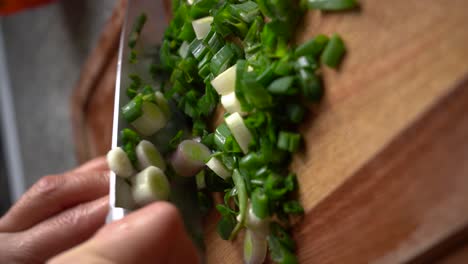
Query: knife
point(183, 193)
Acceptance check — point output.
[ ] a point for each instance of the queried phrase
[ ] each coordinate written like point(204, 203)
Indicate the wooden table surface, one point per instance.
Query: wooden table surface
point(384, 177)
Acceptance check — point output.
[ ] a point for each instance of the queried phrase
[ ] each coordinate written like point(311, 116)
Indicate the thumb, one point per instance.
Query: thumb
point(154, 234)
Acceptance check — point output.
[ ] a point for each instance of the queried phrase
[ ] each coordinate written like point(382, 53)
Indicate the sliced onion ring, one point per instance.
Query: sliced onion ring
point(255, 247)
point(189, 158)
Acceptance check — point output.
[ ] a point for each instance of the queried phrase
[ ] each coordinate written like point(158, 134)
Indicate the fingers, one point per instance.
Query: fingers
point(51, 195)
point(62, 231)
point(98, 164)
point(152, 234)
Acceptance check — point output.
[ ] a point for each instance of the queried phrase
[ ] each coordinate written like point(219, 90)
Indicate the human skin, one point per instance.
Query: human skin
point(61, 218)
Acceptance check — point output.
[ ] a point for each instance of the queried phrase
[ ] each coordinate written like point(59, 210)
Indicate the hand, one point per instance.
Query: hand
point(154, 234)
point(55, 214)
point(61, 211)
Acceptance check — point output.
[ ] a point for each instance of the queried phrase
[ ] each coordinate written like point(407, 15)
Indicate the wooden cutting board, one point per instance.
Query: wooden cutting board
point(384, 177)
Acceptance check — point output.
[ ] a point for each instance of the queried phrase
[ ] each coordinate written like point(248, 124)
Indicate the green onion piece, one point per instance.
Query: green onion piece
point(283, 86)
point(260, 203)
point(313, 47)
point(267, 76)
point(227, 223)
point(205, 60)
point(252, 40)
point(289, 141)
point(137, 27)
point(214, 41)
point(221, 134)
point(306, 63)
point(174, 142)
point(201, 8)
point(334, 52)
point(132, 89)
point(133, 110)
point(130, 140)
point(198, 49)
point(293, 207)
point(129, 135)
point(251, 162)
point(247, 11)
point(279, 253)
point(204, 71)
point(275, 187)
point(284, 66)
point(200, 180)
point(331, 5)
point(242, 201)
point(282, 235)
point(207, 103)
point(241, 69)
point(132, 57)
point(254, 93)
point(208, 140)
point(150, 185)
point(311, 85)
point(221, 60)
point(295, 113)
point(187, 33)
point(264, 6)
point(226, 23)
point(274, 38)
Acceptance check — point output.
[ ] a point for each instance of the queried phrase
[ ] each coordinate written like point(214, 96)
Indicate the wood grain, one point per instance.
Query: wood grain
point(409, 197)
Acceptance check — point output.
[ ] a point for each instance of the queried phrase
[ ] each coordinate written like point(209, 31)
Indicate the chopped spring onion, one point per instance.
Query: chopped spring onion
point(151, 120)
point(221, 60)
point(231, 104)
point(136, 31)
point(218, 167)
point(331, 5)
point(184, 49)
point(283, 85)
point(260, 203)
point(133, 110)
point(333, 52)
point(163, 104)
point(255, 248)
point(129, 141)
point(202, 27)
point(149, 186)
point(295, 113)
point(311, 85)
point(225, 83)
point(289, 141)
point(280, 253)
point(200, 180)
point(240, 132)
point(119, 163)
point(148, 155)
point(243, 202)
point(260, 226)
point(312, 47)
point(189, 158)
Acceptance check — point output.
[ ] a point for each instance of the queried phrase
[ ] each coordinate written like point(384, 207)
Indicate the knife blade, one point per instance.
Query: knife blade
point(183, 193)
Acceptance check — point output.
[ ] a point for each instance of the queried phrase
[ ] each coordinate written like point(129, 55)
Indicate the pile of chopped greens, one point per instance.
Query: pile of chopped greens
point(238, 54)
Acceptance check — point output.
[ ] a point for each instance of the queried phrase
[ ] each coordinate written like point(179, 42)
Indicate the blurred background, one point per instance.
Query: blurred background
point(41, 52)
